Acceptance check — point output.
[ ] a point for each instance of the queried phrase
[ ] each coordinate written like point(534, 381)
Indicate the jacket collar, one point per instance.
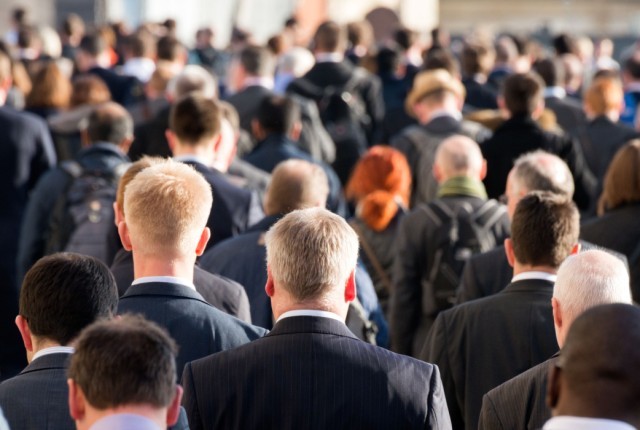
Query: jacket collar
point(49, 361)
point(310, 324)
point(529, 285)
point(162, 289)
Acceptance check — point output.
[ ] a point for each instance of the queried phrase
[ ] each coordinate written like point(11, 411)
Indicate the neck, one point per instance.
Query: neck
point(522, 268)
point(158, 416)
point(282, 302)
point(147, 265)
point(450, 106)
point(38, 345)
point(205, 152)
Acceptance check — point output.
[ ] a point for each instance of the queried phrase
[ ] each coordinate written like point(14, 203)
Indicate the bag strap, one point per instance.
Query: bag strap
point(386, 280)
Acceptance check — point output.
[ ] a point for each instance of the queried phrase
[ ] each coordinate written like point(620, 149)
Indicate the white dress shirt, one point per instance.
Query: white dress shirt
point(310, 313)
point(164, 279)
point(53, 350)
point(535, 275)
point(573, 423)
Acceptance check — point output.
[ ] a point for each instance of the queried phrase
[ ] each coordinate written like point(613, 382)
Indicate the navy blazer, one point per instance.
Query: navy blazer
point(312, 373)
point(198, 328)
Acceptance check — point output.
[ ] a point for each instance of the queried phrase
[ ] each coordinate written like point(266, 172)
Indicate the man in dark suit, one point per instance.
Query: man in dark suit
point(310, 371)
point(26, 154)
point(476, 61)
point(522, 99)
point(584, 281)
point(61, 295)
point(193, 135)
point(166, 207)
point(485, 342)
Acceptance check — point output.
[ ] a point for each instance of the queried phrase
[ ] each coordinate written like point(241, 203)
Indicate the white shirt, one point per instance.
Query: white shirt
point(124, 422)
point(53, 350)
point(187, 158)
point(165, 279)
point(557, 92)
point(573, 423)
point(141, 68)
point(444, 112)
point(329, 57)
point(258, 81)
point(310, 313)
point(535, 275)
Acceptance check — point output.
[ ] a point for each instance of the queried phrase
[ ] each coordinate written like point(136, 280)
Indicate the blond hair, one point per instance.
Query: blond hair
point(166, 209)
point(131, 173)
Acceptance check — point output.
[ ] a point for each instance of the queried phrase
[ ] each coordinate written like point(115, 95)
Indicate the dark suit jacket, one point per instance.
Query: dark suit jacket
point(569, 113)
point(198, 328)
point(312, 373)
point(38, 398)
point(479, 96)
point(125, 90)
point(220, 292)
point(150, 138)
point(481, 344)
point(519, 403)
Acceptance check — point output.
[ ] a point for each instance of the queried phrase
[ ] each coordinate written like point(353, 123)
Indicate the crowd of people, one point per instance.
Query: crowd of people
point(335, 233)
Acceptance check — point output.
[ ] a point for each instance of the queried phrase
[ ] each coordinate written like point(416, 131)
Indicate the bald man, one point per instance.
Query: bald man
point(586, 280)
point(595, 384)
point(435, 239)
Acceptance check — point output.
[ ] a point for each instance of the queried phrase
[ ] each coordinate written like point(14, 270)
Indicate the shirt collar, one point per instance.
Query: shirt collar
point(310, 313)
point(557, 92)
point(122, 421)
point(53, 350)
point(329, 57)
point(570, 423)
point(259, 81)
point(164, 279)
point(443, 112)
point(535, 275)
point(188, 158)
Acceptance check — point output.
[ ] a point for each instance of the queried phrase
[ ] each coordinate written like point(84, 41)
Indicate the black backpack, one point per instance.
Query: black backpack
point(460, 235)
point(83, 215)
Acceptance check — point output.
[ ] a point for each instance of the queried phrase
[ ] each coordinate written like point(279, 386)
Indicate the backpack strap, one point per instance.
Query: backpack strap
point(377, 266)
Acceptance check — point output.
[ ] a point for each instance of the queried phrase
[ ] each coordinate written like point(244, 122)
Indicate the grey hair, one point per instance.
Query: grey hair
point(542, 171)
point(192, 78)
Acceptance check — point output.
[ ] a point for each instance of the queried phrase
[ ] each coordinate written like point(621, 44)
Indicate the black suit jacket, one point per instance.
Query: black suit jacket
point(220, 292)
point(312, 373)
point(479, 96)
point(125, 90)
point(481, 344)
point(247, 101)
point(150, 138)
point(569, 113)
point(198, 328)
point(519, 403)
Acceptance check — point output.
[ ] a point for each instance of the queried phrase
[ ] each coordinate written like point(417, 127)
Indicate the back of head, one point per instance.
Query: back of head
point(544, 229)
point(296, 61)
point(131, 173)
point(565, 44)
point(551, 70)
point(166, 209)
point(459, 156)
point(257, 61)
point(63, 293)
point(330, 37)
point(125, 362)
point(598, 366)
point(622, 180)
point(51, 88)
point(296, 184)
point(604, 95)
point(522, 93)
point(631, 66)
point(73, 25)
point(440, 59)
point(311, 253)
point(191, 79)
point(506, 50)
point(589, 279)
point(93, 44)
point(140, 45)
point(277, 115)
point(405, 37)
point(89, 90)
point(169, 49)
point(195, 119)
point(542, 171)
point(360, 33)
point(110, 122)
point(476, 58)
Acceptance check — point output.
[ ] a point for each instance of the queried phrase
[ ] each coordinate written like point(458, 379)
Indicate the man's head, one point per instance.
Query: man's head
point(128, 364)
point(544, 231)
point(62, 294)
point(585, 280)
point(252, 62)
point(277, 115)
point(111, 123)
point(604, 97)
point(92, 52)
point(132, 171)
point(194, 124)
point(311, 260)
point(522, 95)
point(537, 171)
point(597, 374)
point(551, 70)
point(192, 79)
point(434, 90)
point(459, 156)
point(170, 49)
point(631, 69)
point(476, 59)
point(296, 184)
point(166, 208)
point(330, 37)
point(140, 45)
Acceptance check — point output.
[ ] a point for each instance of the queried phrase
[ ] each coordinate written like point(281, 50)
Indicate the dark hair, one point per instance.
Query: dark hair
point(388, 59)
point(169, 48)
point(278, 114)
point(565, 44)
point(123, 362)
point(141, 45)
point(544, 229)
point(26, 36)
point(257, 60)
point(330, 37)
point(551, 71)
point(72, 25)
point(51, 88)
point(109, 122)
point(632, 66)
point(194, 118)
point(522, 93)
point(93, 44)
point(63, 293)
point(405, 37)
point(476, 58)
point(440, 58)
point(20, 15)
point(622, 181)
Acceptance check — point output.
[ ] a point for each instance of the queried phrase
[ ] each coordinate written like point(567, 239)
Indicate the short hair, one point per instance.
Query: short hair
point(440, 59)
point(51, 88)
point(109, 122)
point(360, 33)
point(542, 171)
point(166, 208)
point(93, 44)
point(20, 15)
point(72, 25)
point(278, 114)
point(169, 48)
point(506, 49)
point(459, 155)
point(632, 66)
point(621, 184)
point(405, 37)
point(604, 95)
point(565, 44)
point(131, 173)
point(330, 37)
point(476, 58)
point(544, 229)
point(125, 361)
point(27, 36)
point(141, 44)
point(63, 293)
point(522, 93)
point(191, 79)
point(161, 77)
point(311, 252)
point(257, 60)
point(589, 279)
point(194, 119)
point(296, 184)
point(551, 70)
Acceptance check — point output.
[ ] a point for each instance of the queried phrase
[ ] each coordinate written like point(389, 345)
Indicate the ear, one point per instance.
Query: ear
point(501, 104)
point(202, 243)
point(118, 215)
point(296, 130)
point(437, 172)
point(553, 386)
point(350, 287)
point(123, 232)
point(508, 249)
point(25, 333)
point(269, 287)
point(126, 144)
point(483, 169)
point(173, 411)
point(77, 402)
point(557, 313)
point(256, 130)
point(171, 139)
point(576, 248)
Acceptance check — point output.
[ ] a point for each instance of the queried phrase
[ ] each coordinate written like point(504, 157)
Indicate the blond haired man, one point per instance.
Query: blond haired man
point(166, 207)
